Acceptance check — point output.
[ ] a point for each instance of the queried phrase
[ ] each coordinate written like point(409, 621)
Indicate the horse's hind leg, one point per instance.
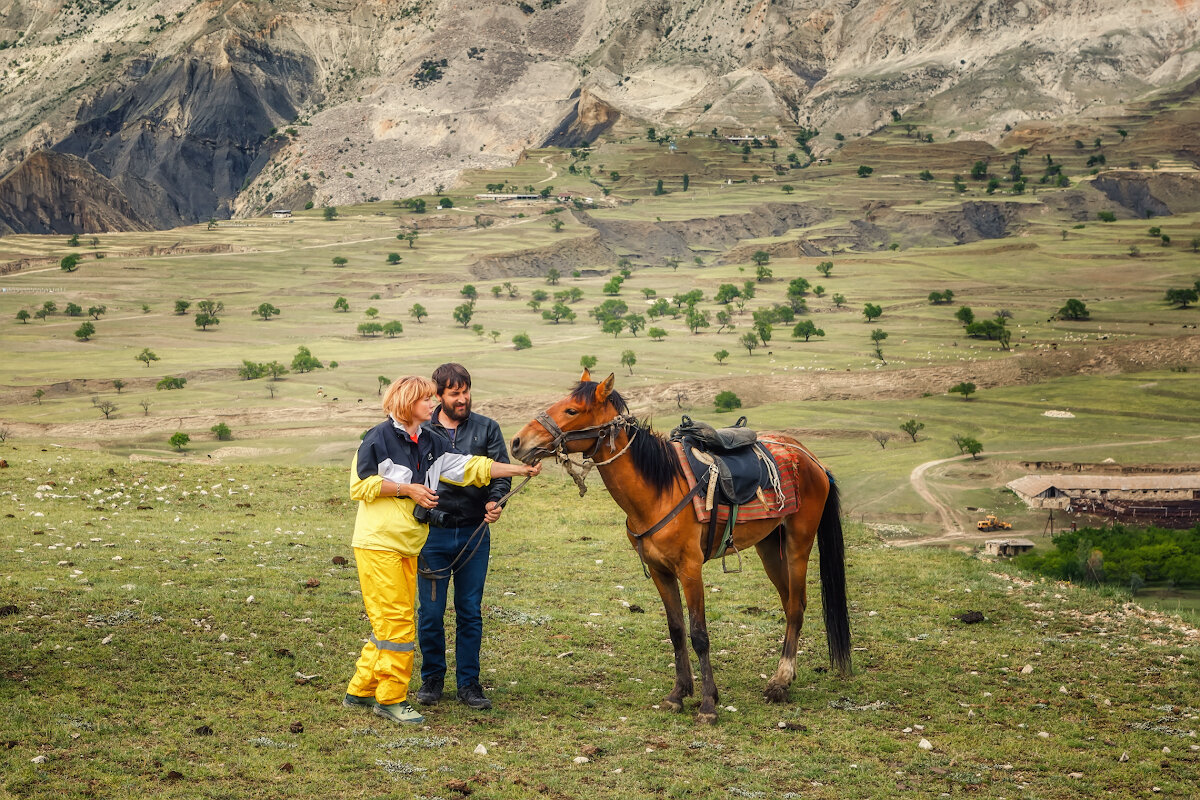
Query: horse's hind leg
point(668, 590)
point(798, 535)
point(770, 551)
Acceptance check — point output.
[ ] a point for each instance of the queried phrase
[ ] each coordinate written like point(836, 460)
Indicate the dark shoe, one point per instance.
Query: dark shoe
point(430, 692)
point(472, 696)
point(401, 713)
point(354, 701)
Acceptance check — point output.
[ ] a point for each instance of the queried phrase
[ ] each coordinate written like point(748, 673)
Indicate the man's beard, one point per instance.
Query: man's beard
point(456, 414)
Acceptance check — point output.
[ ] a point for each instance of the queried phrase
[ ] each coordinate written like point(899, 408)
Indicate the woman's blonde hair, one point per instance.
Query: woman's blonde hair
point(404, 394)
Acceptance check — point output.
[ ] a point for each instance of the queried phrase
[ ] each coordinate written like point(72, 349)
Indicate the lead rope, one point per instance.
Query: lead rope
point(473, 541)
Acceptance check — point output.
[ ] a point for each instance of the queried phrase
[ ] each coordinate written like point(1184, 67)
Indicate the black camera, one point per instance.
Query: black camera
point(431, 516)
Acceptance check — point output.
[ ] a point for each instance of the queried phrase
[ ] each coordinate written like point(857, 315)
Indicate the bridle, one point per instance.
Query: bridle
point(604, 431)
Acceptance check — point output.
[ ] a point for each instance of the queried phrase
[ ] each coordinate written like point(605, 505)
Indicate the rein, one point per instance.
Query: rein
point(473, 543)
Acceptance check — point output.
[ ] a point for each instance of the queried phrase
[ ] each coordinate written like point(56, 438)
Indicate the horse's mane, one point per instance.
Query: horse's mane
point(653, 456)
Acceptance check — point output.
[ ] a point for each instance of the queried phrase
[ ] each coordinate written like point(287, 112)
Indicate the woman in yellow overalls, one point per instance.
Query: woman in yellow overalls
point(397, 469)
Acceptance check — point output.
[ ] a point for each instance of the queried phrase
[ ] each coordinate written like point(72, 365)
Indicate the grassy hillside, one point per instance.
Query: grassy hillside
point(134, 634)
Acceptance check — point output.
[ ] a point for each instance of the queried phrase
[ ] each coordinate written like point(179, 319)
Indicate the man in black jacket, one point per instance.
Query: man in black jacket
point(450, 550)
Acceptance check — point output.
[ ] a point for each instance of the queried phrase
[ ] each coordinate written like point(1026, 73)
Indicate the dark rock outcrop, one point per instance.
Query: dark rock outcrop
point(181, 140)
point(1151, 193)
point(55, 193)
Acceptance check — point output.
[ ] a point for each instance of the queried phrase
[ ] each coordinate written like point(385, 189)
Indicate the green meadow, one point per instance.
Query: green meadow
point(134, 659)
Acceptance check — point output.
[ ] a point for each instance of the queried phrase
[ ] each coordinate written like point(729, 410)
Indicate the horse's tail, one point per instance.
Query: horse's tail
point(833, 581)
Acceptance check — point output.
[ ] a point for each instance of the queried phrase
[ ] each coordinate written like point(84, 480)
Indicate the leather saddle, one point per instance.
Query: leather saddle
point(743, 466)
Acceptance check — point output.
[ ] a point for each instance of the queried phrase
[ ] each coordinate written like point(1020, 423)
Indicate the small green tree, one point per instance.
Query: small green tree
point(393, 328)
point(872, 311)
point(181, 307)
point(1182, 297)
point(964, 315)
point(726, 401)
point(969, 444)
point(85, 331)
point(170, 383)
point(69, 263)
point(463, 313)
point(370, 328)
point(806, 328)
point(553, 276)
point(912, 428)
point(330, 213)
point(864, 171)
point(340, 261)
point(522, 341)
point(1074, 309)
point(470, 292)
point(179, 440)
point(371, 313)
point(418, 312)
point(341, 304)
point(721, 355)
point(825, 267)
point(204, 320)
point(222, 431)
point(587, 362)
point(628, 359)
point(23, 316)
point(305, 361)
point(96, 312)
point(266, 311)
point(760, 257)
point(383, 381)
point(393, 258)
point(763, 273)
point(749, 341)
point(146, 356)
point(73, 310)
point(38, 394)
point(556, 224)
point(839, 300)
point(118, 384)
point(966, 389)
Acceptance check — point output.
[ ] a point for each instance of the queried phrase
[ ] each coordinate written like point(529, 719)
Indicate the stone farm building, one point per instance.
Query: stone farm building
point(1059, 491)
point(1007, 547)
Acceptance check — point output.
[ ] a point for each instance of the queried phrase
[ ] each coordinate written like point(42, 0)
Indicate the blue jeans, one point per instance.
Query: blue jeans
point(442, 547)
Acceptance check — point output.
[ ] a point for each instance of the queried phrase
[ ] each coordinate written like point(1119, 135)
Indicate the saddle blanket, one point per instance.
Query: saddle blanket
point(785, 459)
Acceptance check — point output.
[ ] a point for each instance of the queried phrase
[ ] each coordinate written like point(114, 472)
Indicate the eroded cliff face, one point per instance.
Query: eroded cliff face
point(56, 193)
point(226, 107)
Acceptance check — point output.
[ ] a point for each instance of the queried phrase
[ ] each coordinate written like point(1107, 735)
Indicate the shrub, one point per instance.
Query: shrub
point(222, 431)
point(179, 440)
point(727, 401)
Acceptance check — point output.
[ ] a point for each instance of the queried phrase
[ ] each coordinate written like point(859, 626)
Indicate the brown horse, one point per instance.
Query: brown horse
point(641, 471)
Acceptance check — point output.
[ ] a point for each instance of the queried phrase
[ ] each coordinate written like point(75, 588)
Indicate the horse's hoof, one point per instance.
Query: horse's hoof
point(672, 705)
point(706, 718)
point(775, 693)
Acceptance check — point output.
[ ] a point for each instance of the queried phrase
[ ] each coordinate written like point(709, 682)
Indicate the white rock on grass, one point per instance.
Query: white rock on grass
point(1027, 669)
point(480, 750)
point(581, 759)
point(925, 744)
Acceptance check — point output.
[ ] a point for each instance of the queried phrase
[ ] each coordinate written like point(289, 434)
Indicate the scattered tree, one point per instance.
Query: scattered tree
point(721, 355)
point(557, 224)
point(394, 328)
point(170, 382)
point(266, 311)
point(204, 320)
point(73, 310)
point(38, 394)
point(23, 316)
point(145, 404)
point(179, 440)
point(463, 313)
point(806, 328)
point(872, 311)
point(522, 341)
point(340, 261)
point(628, 359)
point(964, 315)
point(1074, 309)
point(383, 381)
point(727, 401)
point(552, 276)
point(882, 438)
point(341, 304)
point(330, 213)
point(393, 258)
point(69, 263)
point(656, 334)
point(417, 312)
point(839, 300)
point(146, 356)
point(760, 257)
point(305, 361)
point(864, 171)
point(85, 331)
point(371, 313)
point(1182, 297)
point(749, 341)
point(106, 407)
point(370, 328)
point(222, 431)
point(966, 389)
point(95, 312)
point(912, 428)
point(118, 384)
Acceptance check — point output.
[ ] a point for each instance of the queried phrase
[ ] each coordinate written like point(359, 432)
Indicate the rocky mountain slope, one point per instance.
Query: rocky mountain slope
point(225, 107)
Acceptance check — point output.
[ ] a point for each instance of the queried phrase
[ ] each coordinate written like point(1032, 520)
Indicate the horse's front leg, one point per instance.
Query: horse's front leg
point(668, 590)
point(693, 593)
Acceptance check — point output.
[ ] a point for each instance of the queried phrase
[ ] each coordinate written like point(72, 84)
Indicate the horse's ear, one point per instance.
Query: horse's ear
point(586, 376)
point(605, 389)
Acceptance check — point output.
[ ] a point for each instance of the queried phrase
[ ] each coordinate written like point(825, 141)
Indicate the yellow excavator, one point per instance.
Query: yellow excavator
point(990, 523)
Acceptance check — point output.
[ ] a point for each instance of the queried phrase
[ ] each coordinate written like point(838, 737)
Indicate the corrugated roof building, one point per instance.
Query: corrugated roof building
point(1057, 491)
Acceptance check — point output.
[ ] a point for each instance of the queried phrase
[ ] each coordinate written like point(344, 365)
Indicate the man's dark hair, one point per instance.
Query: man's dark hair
point(451, 376)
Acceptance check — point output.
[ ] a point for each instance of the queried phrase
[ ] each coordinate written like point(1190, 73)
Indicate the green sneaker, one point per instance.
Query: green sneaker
point(354, 701)
point(400, 712)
